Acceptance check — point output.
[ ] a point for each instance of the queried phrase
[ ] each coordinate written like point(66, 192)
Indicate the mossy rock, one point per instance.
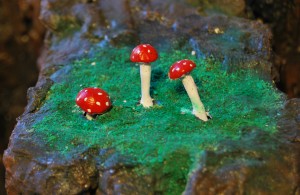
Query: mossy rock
point(163, 149)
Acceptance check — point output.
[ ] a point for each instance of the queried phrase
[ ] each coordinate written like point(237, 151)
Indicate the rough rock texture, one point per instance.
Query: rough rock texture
point(256, 166)
point(283, 17)
point(235, 168)
point(180, 26)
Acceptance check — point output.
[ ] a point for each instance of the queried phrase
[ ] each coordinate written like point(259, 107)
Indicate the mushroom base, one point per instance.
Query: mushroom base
point(90, 116)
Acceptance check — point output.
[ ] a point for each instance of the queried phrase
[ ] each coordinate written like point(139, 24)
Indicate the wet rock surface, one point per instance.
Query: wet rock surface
point(254, 164)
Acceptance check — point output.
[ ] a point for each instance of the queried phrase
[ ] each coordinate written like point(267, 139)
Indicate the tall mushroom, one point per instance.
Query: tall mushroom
point(180, 69)
point(93, 101)
point(144, 54)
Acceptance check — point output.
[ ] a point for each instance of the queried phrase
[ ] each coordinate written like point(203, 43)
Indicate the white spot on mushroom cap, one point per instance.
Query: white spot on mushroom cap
point(98, 103)
point(85, 99)
point(177, 69)
point(85, 90)
point(184, 63)
point(77, 99)
point(107, 103)
point(191, 65)
point(173, 69)
point(89, 110)
point(144, 45)
point(149, 51)
point(99, 93)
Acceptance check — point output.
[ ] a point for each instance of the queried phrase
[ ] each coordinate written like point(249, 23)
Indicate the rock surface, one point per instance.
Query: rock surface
point(283, 18)
point(254, 165)
point(257, 166)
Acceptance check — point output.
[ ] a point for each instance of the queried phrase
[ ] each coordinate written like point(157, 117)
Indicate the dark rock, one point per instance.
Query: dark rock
point(50, 173)
point(228, 7)
point(238, 40)
point(290, 123)
point(231, 39)
point(283, 17)
point(253, 167)
point(36, 95)
point(124, 181)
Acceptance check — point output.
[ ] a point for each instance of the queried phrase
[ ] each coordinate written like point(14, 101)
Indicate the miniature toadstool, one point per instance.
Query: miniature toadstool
point(180, 69)
point(144, 54)
point(93, 101)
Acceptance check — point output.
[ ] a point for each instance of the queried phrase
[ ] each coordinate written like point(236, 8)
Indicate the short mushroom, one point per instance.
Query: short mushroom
point(93, 101)
point(180, 69)
point(144, 54)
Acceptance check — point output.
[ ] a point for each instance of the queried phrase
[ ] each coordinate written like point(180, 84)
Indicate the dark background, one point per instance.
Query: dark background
point(21, 42)
point(21, 36)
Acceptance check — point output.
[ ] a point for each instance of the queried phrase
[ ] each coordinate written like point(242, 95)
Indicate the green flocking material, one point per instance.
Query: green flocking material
point(168, 131)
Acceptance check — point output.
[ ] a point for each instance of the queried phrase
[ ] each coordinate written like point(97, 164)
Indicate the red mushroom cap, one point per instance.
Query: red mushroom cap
point(144, 53)
point(180, 68)
point(93, 100)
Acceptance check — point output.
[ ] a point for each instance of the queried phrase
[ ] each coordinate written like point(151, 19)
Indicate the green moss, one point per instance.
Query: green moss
point(167, 133)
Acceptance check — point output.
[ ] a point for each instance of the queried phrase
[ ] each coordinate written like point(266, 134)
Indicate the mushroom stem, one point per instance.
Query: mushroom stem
point(89, 117)
point(145, 73)
point(191, 89)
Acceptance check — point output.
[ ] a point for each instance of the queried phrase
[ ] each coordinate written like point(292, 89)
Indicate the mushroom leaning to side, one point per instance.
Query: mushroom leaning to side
point(144, 54)
point(93, 101)
point(180, 69)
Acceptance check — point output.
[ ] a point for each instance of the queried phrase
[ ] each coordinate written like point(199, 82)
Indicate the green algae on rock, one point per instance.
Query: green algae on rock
point(238, 101)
